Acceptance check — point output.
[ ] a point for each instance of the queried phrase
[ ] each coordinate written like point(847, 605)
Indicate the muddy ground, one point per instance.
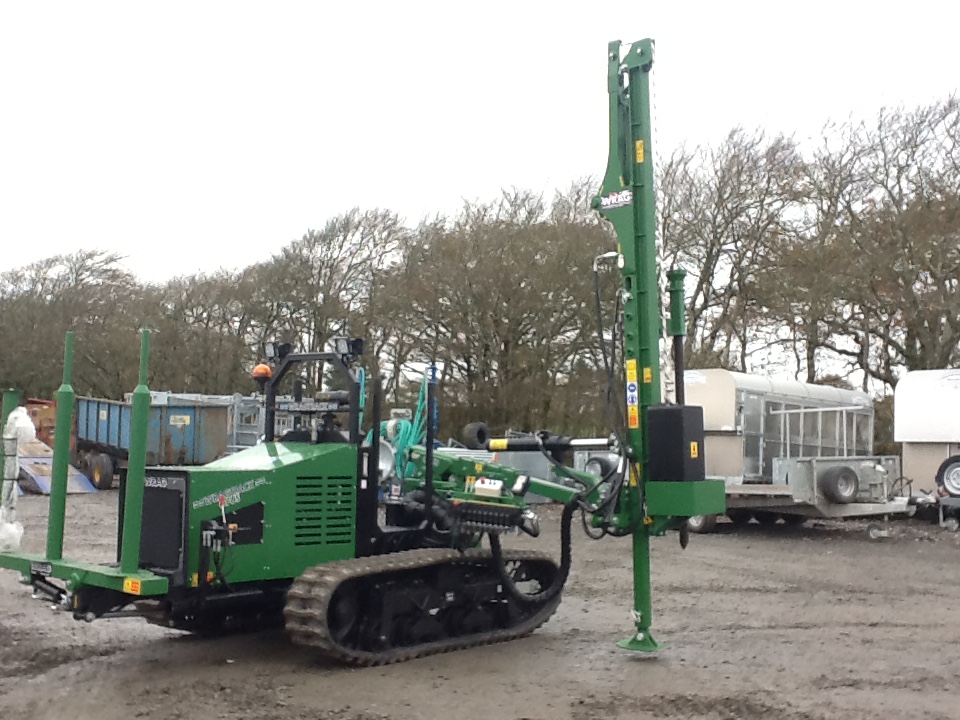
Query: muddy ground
point(808, 624)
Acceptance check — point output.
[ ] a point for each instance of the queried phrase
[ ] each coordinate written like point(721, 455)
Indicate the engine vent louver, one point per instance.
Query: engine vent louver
point(325, 510)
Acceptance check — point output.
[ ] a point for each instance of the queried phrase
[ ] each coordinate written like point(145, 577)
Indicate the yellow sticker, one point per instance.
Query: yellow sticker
point(634, 416)
point(694, 449)
point(631, 371)
point(498, 444)
point(647, 375)
point(131, 586)
point(471, 481)
point(478, 467)
point(639, 151)
point(633, 477)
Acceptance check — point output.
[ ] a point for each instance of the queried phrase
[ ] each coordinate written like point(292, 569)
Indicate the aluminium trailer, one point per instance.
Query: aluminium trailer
point(791, 450)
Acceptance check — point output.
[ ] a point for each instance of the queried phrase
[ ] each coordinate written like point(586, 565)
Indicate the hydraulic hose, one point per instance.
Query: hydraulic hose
point(566, 560)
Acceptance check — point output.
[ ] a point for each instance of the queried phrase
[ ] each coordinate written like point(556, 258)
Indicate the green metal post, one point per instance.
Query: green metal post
point(677, 328)
point(61, 456)
point(136, 466)
point(11, 398)
point(627, 200)
point(678, 312)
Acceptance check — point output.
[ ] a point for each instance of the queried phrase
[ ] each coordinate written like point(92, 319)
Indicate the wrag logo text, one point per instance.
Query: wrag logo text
point(616, 199)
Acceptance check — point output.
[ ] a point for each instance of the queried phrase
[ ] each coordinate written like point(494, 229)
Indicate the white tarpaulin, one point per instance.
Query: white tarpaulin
point(19, 427)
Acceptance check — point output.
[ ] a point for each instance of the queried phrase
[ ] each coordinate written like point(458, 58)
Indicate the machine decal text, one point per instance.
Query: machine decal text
point(621, 198)
point(232, 494)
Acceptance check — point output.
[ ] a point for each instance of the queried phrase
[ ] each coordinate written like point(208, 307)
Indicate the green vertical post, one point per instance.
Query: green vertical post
point(61, 456)
point(627, 200)
point(11, 398)
point(677, 328)
point(136, 466)
point(648, 322)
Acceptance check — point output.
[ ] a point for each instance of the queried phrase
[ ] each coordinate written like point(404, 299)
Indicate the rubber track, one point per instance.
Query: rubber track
point(308, 600)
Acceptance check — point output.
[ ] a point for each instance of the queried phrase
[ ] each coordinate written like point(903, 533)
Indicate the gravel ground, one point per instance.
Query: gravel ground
point(813, 623)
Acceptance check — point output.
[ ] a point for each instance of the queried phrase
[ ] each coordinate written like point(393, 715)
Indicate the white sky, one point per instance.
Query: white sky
point(190, 136)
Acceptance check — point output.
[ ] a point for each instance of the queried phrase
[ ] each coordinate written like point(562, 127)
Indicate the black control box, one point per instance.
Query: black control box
point(675, 435)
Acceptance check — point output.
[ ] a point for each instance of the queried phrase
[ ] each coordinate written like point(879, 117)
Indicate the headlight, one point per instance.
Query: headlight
point(388, 459)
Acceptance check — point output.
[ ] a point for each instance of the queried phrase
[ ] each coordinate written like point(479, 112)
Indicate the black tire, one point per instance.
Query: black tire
point(475, 436)
point(766, 518)
point(839, 484)
point(948, 476)
point(740, 517)
point(702, 524)
point(84, 465)
point(101, 471)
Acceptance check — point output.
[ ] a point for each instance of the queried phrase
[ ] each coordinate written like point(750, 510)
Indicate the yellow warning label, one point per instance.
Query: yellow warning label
point(478, 467)
point(631, 371)
point(633, 416)
point(633, 476)
point(639, 151)
point(694, 449)
point(647, 375)
point(471, 481)
point(131, 586)
point(498, 444)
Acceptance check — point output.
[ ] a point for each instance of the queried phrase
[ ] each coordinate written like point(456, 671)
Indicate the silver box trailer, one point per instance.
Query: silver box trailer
point(926, 422)
point(791, 450)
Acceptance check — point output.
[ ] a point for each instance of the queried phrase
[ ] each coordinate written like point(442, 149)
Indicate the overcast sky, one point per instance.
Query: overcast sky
point(190, 136)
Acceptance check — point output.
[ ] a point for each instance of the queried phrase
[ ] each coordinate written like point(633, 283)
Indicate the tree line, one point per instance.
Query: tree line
point(830, 262)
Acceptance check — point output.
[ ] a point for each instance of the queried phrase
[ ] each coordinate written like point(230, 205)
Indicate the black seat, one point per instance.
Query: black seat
point(296, 435)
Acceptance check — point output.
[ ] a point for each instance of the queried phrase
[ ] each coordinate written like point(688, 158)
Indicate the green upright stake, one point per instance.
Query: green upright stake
point(61, 457)
point(11, 398)
point(136, 466)
point(677, 328)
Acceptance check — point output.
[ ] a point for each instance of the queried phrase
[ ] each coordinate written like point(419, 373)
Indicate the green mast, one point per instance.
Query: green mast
point(136, 466)
point(627, 200)
point(61, 456)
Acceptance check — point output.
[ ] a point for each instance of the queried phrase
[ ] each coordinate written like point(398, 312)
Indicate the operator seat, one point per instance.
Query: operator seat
point(331, 435)
point(296, 435)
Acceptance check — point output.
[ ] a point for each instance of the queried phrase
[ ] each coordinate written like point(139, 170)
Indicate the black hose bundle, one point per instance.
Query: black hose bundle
point(566, 560)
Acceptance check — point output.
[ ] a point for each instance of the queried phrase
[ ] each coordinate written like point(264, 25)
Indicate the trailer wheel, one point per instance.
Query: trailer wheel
point(740, 517)
point(839, 484)
point(101, 471)
point(475, 436)
point(948, 476)
point(702, 524)
point(84, 465)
